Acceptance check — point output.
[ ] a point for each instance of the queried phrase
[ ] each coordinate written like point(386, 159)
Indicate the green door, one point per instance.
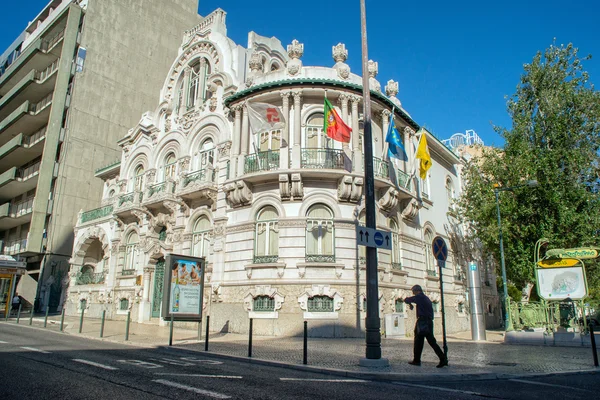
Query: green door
point(159, 274)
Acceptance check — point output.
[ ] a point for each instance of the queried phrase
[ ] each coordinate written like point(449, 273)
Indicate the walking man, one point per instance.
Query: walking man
point(424, 327)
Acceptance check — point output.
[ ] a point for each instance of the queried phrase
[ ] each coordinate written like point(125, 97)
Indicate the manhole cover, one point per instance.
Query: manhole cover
point(503, 364)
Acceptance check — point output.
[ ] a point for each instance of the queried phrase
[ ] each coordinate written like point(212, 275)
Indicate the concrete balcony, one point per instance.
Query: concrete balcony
point(22, 149)
point(15, 214)
point(17, 181)
point(33, 87)
point(27, 119)
point(198, 185)
point(127, 203)
point(14, 247)
point(155, 195)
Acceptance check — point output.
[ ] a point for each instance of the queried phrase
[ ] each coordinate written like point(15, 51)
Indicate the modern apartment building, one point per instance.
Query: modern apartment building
point(71, 85)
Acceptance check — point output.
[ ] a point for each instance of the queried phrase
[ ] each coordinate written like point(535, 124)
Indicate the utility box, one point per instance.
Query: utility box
point(394, 325)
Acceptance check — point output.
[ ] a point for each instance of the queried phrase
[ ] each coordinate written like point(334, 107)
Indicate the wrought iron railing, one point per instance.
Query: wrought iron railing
point(320, 258)
point(396, 266)
point(323, 158)
point(263, 304)
point(126, 198)
point(86, 278)
point(262, 161)
point(128, 272)
point(403, 179)
point(157, 188)
point(381, 168)
point(266, 259)
point(205, 175)
point(320, 304)
point(96, 213)
point(431, 272)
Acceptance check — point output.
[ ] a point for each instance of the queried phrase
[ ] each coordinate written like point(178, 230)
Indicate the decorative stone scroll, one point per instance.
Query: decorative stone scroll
point(389, 201)
point(238, 193)
point(410, 209)
point(350, 189)
point(297, 190)
point(284, 187)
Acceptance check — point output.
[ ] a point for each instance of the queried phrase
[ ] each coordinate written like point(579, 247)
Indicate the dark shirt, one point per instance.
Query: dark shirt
point(424, 307)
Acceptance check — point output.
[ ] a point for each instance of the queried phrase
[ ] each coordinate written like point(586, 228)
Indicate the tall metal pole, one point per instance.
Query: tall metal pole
point(373, 333)
point(507, 323)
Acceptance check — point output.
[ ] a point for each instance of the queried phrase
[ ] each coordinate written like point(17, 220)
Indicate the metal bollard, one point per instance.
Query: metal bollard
point(127, 326)
point(31, 316)
point(250, 339)
point(171, 331)
point(206, 336)
point(19, 313)
point(593, 340)
point(305, 349)
point(62, 320)
point(6, 315)
point(81, 319)
point(102, 323)
point(46, 317)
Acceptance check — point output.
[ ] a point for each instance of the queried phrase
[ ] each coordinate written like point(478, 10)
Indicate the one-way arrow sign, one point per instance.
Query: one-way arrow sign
point(373, 238)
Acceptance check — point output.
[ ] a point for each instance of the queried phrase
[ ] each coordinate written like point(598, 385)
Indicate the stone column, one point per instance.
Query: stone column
point(357, 151)
point(145, 308)
point(201, 81)
point(146, 283)
point(385, 123)
point(186, 87)
point(245, 140)
point(408, 146)
point(296, 150)
point(237, 129)
point(343, 101)
point(284, 152)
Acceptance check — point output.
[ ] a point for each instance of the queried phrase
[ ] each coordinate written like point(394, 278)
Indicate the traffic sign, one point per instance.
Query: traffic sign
point(559, 262)
point(373, 238)
point(440, 250)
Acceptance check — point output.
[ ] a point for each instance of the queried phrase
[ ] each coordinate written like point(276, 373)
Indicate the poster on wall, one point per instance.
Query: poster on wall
point(561, 283)
point(183, 288)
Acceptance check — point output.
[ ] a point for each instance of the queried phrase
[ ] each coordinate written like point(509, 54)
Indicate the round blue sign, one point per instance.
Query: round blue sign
point(440, 250)
point(378, 238)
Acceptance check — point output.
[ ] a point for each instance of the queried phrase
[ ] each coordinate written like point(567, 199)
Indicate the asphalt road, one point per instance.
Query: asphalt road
point(39, 364)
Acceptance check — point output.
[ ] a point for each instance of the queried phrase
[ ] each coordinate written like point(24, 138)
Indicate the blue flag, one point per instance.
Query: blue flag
point(394, 140)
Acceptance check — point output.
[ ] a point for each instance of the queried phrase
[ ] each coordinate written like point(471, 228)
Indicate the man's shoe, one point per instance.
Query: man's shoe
point(417, 363)
point(443, 363)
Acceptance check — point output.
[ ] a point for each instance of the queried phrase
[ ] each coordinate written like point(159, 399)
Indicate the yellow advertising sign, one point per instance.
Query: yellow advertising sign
point(559, 262)
point(581, 253)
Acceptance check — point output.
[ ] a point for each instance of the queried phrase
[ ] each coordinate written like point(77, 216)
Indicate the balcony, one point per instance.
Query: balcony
point(17, 181)
point(13, 247)
point(88, 278)
point(15, 214)
point(22, 149)
point(95, 214)
point(381, 168)
point(198, 185)
point(262, 161)
point(156, 194)
point(324, 159)
point(25, 119)
point(320, 258)
point(127, 203)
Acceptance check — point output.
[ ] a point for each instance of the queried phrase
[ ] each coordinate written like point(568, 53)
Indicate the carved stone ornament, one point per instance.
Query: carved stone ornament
point(256, 63)
point(263, 290)
point(460, 299)
point(224, 148)
point(343, 71)
point(212, 104)
point(297, 191)
point(295, 51)
point(361, 302)
point(339, 52)
point(434, 296)
point(410, 131)
point(389, 200)
point(391, 89)
point(238, 193)
point(184, 165)
point(168, 122)
point(321, 290)
point(151, 176)
point(187, 121)
point(284, 187)
point(350, 189)
point(411, 209)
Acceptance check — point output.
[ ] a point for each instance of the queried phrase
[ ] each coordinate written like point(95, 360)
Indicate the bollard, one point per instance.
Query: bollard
point(200, 330)
point(305, 349)
point(81, 319)
point(46, 317)
point(31, 316)
point(19, 313)
point(171, 331)
point(62, 320)
point(102, 323)
point(206, 336)
point(250, 339)
point(6, 315)
point(127, 326)
point(593, 340)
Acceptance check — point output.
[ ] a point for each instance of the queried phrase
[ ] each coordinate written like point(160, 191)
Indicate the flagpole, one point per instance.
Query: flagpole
point(373, 324)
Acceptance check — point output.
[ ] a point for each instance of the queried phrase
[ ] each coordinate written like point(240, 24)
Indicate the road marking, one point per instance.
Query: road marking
point(94, 364)
point(323, 380)
point(34, 349)
point(2, 341)
point(172, 362)
point(200, 360)
point(192, 389)
point(440, 389)
point(548, 384)
point(202, 375)
point(140, 363)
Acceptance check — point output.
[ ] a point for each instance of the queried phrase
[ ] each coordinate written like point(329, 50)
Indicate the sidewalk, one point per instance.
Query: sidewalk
point(468, 360)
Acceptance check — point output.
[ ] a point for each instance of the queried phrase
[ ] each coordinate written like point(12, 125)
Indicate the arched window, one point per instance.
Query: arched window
point(266, 236)
point(111, 194)
point(450, 193)
point(320, 304)
point(131, 251)
point(396, 257)
point(320, 234)
point(269, 140)
point(263, 304)
point(429, 262)
point(138, 178)
point(206, 154)
point(201, 237)
point(197, 83)
point(316, 138)
point(170, 167)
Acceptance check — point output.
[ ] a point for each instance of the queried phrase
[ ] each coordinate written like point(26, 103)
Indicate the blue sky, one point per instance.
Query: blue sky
point(455, 61)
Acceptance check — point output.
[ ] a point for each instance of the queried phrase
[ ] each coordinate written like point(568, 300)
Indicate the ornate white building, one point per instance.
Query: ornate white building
point(275, 212)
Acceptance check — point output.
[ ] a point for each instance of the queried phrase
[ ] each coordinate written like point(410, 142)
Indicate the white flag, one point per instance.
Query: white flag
point(265, 117)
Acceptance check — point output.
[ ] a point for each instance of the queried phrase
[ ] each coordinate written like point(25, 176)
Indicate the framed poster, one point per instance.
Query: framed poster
point(183, 288)
point(561, 283)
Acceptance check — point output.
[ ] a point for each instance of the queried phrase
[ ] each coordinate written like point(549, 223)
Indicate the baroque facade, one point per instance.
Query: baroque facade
point(274, 212)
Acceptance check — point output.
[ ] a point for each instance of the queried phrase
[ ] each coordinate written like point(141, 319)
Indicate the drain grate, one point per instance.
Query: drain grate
point(503, 364)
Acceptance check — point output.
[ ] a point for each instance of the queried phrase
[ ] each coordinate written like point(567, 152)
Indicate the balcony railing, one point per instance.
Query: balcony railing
point(28, 171)
point(128, 272)
point(403, 179)
point(381, 168)
point(40, 105)
point(126, 198)
point(36, 137)
point(96, 213)
point(15, 246)
point(205, 175)
point(263, 161)
point(21, 208)
point(47, 44)
point(269, 259)
point(320, 258)
point(86, 278)
point(40, 76)
point(431, 272)
point(158, 188)
point(396, 266)
point(323, 158)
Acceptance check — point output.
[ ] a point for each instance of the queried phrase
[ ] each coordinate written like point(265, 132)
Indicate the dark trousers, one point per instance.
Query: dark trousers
point(420, 341)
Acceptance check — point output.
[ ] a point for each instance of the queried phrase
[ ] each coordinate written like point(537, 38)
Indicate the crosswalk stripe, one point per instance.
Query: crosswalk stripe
point(94, 364)
point(192, 389)
point(201, 375)
point(549, 384)
point(34, 349)
point(323, 380)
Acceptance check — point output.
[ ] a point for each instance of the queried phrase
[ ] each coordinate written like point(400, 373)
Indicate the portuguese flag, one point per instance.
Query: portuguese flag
point(334, 126)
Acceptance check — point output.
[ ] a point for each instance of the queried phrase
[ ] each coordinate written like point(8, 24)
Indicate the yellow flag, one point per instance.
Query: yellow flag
point(423, 154)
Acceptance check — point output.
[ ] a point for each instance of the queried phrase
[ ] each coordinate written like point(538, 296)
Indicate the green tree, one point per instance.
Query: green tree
point(555, 140)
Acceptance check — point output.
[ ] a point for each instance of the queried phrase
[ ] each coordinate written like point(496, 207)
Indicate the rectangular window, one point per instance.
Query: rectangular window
point(81, 54)
point(124, 305)
point(399, 305)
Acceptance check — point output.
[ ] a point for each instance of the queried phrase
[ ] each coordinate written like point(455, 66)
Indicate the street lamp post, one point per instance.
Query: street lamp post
point(497, 189)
